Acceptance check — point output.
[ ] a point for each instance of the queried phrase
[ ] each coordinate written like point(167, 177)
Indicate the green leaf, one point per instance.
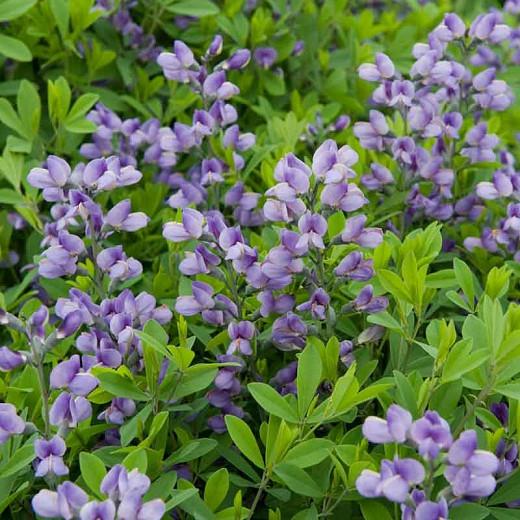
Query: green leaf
point(461, 360)
point(466, 511)
point(194, 379)
point(119, 385)
point(373, 510)
point(93, 471)
point(130, 429)
point(9, 117)
point(21, 459)
point(216, 488)
point(272, 402)
point(136, 459)
point(29, 107)
point(309, 452)
point(80, 108)
point(60, 11)
point(394, 285)
point(10, 197)
point(198, 9)
point(511, 390)
point(178, 497)
point(194, 449)
point(465, 278)
point(308, 377)
point(14, 48)
point(407, 396)
point(502, 513)
point(244, 439)
point(11, 9)
point(297, 480)
point(385, 320)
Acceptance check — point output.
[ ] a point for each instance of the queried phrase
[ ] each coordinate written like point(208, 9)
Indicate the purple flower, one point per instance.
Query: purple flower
point(366, 302)
point(69, 374)
point(377, 178)
point(50, 453)
point(94, 510)
point(333, 164)
point(394, 429)
point(285, 379)
point(10, 423)
point(428, 510)
point(451, 28)
point(120, 408)
point(216, 86)
point(265, 56)
point(289, 332)
point(200, 300)
point(382, 69)
point(240, 334)
point(114, 261)
point(176, 65)
point(120, 218)
point(347, 197)
point(238, 60)
point(68, 410)
point(312, 228)
point(501, 412)
point(356, 232)
point(480, 143)
point(394, 481)
point(402, 93)
point(353, 266)
point(346, 352)
point(191, 226)
point(431, 433)
point(10, 359)
point(489, 27)
point(272, 304)
point(317, 305)
point(294, 174)
point(65, 502)
point(470, 471)
point(500, 187)
point(371, 134)
point(60, 259)
point(52, 179)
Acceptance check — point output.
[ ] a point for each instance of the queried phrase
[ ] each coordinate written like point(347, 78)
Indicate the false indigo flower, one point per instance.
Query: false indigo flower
point(393, 429)
point(50, 454)
point(65, 502)
point(10, 423)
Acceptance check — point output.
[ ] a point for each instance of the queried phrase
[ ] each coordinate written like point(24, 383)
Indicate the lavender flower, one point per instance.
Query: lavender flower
point(10, 423)
point(50, 454)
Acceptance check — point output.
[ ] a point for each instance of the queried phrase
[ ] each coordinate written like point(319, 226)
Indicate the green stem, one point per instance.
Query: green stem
point(261, 488)
point(43, 391)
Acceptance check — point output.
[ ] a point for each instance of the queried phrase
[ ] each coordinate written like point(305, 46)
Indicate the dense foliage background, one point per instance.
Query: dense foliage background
point(259, 259)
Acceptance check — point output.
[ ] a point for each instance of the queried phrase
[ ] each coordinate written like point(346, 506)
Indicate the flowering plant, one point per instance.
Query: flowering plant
point(239, 282)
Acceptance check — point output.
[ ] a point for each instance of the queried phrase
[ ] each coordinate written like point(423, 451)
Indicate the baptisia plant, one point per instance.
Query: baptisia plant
point(435, 132)
point(301, 278)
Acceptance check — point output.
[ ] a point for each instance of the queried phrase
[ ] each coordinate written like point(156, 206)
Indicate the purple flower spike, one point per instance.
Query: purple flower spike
point(65, 502)
point(50, 454)
point(10, 423)
point(394, 429)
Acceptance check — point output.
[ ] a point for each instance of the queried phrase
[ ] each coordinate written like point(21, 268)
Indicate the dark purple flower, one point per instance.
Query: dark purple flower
point(238, 60)
point(317, 305)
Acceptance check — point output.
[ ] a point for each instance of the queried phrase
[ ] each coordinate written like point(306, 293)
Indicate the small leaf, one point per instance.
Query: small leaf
point(244, 439)
point(14, 48)
point(308, 377)
point(93, 471)
point(272, 402)
point(216, 488)
point(298, 480)
point(11, 9)
point(198, 9)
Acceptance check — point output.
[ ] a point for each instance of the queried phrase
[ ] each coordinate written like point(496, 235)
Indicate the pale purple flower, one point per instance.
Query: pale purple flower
point(272, 304)
point(500, 187)
point(451, 28)
point(191, 226)
point(200, 300)
point(52, 179)
point(353, 266)
point(65, 502)
point(114, 261)
point(470, 470)
point(68, 410)
point(95, 510)
point(394, 429)
point(378, 177)
point(428, 510)
point(312, 228)
point(216, 86)
point(355, 231)
point(333, 164)
point(481, 144)
point(365, 301)
point(10, 423)
point(50, 452)
point(121, 219)
point(294, 174)
point(382, 69)
point(489, 27)
point(10, 359)
point(289, 332)
point(120, 408)
point(431, 433)
point(241, 333)
point(60, 259)
point(347, 197)
point(394, 481)
point(371, 134)
point(69, 374)
point(176, 65)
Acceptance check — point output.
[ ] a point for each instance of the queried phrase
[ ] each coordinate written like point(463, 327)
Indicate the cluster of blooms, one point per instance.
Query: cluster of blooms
point(468, 470)
point(133, 33)
point(124, 491)
point(303, 197)
point(433, 103)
